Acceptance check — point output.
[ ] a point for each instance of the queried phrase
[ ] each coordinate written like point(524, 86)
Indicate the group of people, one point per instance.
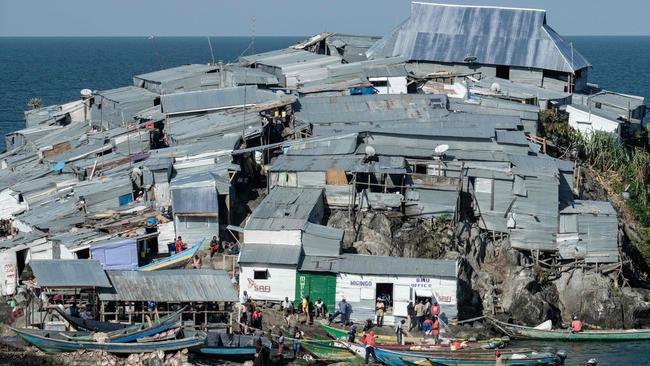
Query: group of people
point(424, 316)
point(308, 309)
point(297, 335)
point(251, 317)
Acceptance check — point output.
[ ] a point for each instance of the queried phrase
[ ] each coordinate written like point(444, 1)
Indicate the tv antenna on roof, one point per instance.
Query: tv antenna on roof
point(211, 53)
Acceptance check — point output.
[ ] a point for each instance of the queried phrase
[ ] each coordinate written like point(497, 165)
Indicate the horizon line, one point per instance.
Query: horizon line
point(259, 36)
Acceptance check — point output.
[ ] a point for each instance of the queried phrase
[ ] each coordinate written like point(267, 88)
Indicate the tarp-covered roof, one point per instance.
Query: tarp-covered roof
point(494, 35)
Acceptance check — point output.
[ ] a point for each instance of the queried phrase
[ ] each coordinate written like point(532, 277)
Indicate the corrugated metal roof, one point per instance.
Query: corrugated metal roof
point(509, 89)
point(322, 240)
point(589, 207)
point(292, 163)
point(285, 208)
point(380, 265)
point(214, 99)
point(270, 254)
point(60, 273)
point(172, 286)
point(175, 73)
point(494, 35)
point(127, 94)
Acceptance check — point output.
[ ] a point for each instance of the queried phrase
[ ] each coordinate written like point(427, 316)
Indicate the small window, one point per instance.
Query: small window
point(503, 72)
point(379, 83)
point(261, 275)
point(599, 105)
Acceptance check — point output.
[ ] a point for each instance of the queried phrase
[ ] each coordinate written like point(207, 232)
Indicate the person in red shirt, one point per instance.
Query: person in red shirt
point(435, 330)
point(179, 245)
point(576, 325)
point(370, 343)
point(435, 309)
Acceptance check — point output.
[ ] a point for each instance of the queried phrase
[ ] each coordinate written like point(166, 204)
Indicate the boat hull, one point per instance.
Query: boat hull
point(54, 345)
point(90, 325)
point(177, 260)
point(521, 332)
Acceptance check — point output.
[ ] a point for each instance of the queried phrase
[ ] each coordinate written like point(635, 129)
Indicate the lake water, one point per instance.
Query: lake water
point(56, 69)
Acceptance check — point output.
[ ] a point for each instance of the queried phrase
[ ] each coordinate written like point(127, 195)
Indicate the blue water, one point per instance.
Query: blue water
point(55, 69)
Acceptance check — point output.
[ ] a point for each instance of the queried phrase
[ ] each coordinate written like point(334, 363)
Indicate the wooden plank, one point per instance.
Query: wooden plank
point(56, 149)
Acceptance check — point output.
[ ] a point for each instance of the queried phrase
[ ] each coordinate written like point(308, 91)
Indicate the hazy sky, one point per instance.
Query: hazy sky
point(284, 17)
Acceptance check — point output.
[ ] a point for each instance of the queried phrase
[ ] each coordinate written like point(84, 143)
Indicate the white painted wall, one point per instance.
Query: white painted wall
point(281, 282)
point(9, 204)
point(8, 272)
point(360, 291)
point(396, 85)
point(288, 237)
point(586, 122)
point(166, 234)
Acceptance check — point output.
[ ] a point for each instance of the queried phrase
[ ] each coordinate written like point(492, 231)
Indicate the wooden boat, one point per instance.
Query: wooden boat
point(395, 358)
point(342, 335)
point(131, 333)
point(48, 341)
point(523, 332)
point(222, 345)
point(90, 324)
point(327, 350)
point(177, 260)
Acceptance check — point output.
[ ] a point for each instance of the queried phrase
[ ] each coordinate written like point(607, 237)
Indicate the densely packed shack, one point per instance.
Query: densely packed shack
point(255, 157)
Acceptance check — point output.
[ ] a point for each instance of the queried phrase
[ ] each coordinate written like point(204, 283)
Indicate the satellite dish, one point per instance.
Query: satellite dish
point(86, 93)
point(470, 59)
point(370, 151)
point(441, 149)
point(495, 87)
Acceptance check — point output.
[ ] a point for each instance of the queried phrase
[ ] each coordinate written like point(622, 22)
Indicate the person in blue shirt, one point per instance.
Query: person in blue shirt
point(352, 332)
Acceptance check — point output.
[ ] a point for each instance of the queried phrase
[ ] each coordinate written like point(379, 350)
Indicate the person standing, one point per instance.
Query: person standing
point(435, 309)
point(281, 344)
point(341, 309)
point(399, 331)
point(352, 332)
point(498, 358)
point(410, 310)
point(297, 336)
point(427, 307)
point(370, 343)
point(419, 314)
point(348, 311)
point(379, 312)
point(287, 306)
point(179, 245)
point(435, 330)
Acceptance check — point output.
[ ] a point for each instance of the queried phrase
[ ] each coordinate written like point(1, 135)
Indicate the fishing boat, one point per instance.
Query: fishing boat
point(327, 350)
point(130, 333)
point(90, 324)
point(223, 345)
point(177, 260)
point(342, 335)
point(395, 358)
point(51, 342)
point(523, 332)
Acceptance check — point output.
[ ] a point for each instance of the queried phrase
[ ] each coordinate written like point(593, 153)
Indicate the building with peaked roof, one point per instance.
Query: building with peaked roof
point(510, 43)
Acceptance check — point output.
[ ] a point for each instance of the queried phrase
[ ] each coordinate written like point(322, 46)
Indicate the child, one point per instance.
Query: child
point(297, 335)
point(281, 345)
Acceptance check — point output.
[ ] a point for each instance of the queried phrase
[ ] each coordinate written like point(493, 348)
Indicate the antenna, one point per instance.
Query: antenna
point(155, 50)
point(211, 53)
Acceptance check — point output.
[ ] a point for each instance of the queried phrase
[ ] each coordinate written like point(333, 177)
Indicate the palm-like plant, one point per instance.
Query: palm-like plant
point(35, 103)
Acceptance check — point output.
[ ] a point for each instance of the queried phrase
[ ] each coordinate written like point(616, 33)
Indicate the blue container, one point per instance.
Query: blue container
point(171, 247)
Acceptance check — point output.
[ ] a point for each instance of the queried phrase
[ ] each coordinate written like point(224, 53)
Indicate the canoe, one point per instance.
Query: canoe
point(131, 333)
point(523, 332)
point(177, 260)
point(395, 358)
point(220, 344)
point(90, 324)
point(327, 350)
point(51, 342)
point(342, 335)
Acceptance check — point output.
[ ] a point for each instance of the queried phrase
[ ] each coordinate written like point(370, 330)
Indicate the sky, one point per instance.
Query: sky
point(285, 17)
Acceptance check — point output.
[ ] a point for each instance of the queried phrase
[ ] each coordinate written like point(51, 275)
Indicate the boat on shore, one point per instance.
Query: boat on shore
point(523, 332)
point(177, 260)
point(53, 342)
point(130, 333)
point(90, 324)
point(395, 358)
point(231, 346)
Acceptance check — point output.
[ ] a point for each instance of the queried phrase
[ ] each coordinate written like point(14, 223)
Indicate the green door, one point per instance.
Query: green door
point(316, 285)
